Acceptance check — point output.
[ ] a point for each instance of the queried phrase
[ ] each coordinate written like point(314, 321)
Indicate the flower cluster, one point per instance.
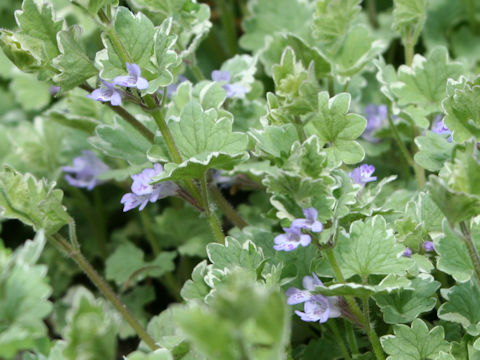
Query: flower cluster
point(363, 174)
point(144, 192)
point(231, 89)
point(293, 236)
point(426, 245)
point(316, 306)
point(86, 169)
point(108, 92)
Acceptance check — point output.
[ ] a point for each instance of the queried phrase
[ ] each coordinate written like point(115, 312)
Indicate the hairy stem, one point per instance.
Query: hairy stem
point(226, 207)
point(228, 24)
point(105, 289)
point(340, 341)
point(372, 14)
point(212, 218)
point(352, 339)
point(472, 251)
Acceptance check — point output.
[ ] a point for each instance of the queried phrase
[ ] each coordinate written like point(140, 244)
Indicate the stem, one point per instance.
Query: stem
point(163, 127)
point(419, 172)
point(331, 87)
point(142, 129)
point(472, 251)
point(212, 218)
point(372, 13)
point(226, 207)
point(340, 341)
point(228, 24)
point(196, 72)
point(145, 219)
point(105, 289)
point(352, 339)
point(372, 335)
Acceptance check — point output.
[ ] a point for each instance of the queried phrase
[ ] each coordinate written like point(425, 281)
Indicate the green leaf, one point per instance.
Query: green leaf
point(23, 298)
point(462, 108)
point(370, 248)
point(30, 93)
point(20, 52)
point(405, 305)
point(74, 64)
point(160, 354)
point(454, 258)
point(190, 236)
point(135, 32)
point(90, 332)
point(196, 288)
point(268, 18)
point(95, 5)
point(409, 17)
point(456, 206)
point(121, 140)
point(165, 58)
point(462, 306)
point(425, 82)
point(335, 127)
point(126, 265)
point(242, 316)
point(387, 285)
point(276, 141)
point(305, 53)
point(205, 141)
point(35, 203)
point(37, 21)
point(415, 342)
point(233, 253)
point(434, 150)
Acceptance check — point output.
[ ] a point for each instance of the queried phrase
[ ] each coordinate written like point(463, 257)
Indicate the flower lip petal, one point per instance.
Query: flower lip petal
point(218, 75)
point(297, 296)
point(142, 83)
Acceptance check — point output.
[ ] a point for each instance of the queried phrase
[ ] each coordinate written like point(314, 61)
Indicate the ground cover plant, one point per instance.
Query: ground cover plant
point(250, 179)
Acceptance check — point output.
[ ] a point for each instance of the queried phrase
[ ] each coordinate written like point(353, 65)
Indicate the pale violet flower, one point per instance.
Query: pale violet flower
point(54, 89)
point(363, 174)
point(292, 238)
point(86, 168)
point(106, 92)
point(407, 252)
point(310, 222)
point(144, 192)
point(428, 246)
point(377, 117)
point(231, 89)
point(316, 306)
point(133, 79)
point(440, 128)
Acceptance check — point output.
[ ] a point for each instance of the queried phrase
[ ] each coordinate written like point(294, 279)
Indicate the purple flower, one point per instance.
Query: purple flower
point(54, 89)
point(376, 118)
point(87, 168)
point(310, 222)
point(106, 92)
point(316, 306)
point(173, 87)
point(292, 238)
point(407, 252)
point(231, 89)
point(363, 174)
point(133, 79)
point(439, 127)
point(143, 192)
point(428, 246)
